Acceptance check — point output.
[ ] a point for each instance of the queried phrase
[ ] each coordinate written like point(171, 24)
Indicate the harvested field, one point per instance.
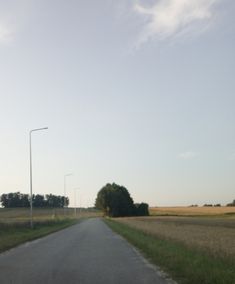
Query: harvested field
point(192, 211)
point(21, 215)
point(213, 235)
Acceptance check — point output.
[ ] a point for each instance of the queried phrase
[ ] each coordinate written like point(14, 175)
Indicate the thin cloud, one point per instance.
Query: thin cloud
point(5, 34)
point(14, 16)
point(172, 18)
point(187, 155)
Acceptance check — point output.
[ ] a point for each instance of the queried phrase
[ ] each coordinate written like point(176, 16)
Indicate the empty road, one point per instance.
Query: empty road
point(88, 252)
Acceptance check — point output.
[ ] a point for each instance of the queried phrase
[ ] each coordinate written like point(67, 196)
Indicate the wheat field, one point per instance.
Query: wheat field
point(214, 235)
point(192, 211)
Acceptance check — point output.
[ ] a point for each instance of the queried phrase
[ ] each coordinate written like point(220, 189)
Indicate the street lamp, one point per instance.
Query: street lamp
point(31, 174)
point(67, 175)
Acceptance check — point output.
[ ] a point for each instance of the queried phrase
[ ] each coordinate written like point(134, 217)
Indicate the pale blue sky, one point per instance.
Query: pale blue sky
point(140, 93)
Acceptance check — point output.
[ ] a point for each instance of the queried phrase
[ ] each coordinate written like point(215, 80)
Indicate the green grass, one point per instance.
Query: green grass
point(185, 265)
point(14, 234)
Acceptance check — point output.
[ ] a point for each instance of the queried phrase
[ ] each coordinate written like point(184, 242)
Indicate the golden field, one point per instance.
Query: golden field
point(17, 215)
point(214, 235)
point(192, 211)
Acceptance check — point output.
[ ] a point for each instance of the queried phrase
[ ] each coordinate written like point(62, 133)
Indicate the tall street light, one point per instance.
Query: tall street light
point(67, 175)
point(31, 173)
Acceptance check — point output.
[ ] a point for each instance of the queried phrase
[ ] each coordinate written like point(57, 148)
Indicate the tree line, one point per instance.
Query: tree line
point(232, 204)
point(115, 201)
point(17, 199)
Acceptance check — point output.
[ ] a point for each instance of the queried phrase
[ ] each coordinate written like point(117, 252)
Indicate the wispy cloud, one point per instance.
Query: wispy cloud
point(187, 155)
point(171, 18)
point(5, 34)
point(13, 17)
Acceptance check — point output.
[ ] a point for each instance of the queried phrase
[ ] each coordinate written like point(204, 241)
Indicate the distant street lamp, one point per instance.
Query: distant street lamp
point(67, 175)
point(31, 173)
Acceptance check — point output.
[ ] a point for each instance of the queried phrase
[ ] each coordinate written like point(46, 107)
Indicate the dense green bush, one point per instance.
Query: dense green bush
point(141, 209)
point(17, 199)
point(115, 201)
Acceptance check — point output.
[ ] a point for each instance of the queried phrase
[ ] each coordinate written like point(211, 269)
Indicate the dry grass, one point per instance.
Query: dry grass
point(185, 263)
point(18, 215)
point(192, 211)
point(213, 235)
point(15, 229)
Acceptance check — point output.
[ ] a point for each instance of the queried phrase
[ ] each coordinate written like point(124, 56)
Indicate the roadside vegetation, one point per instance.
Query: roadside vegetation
point(213, 235)
point(15, 215)
point(186, 263)
point(15, 223)
point(13, 234)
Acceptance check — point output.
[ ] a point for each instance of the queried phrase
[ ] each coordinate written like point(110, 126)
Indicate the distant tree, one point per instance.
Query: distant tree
point(217, 205)
point(141, 209)
point(56, 201)
point(17, 199)
point(208, 205)
point(50, 200)
point(38, 200)
point(24, 200)
point(115, 201)
point(4, 200)
point(103, 199)
point(14, 199)
point(64, 201)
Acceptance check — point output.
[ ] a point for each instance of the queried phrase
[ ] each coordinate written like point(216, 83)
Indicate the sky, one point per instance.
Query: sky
point(140, 93)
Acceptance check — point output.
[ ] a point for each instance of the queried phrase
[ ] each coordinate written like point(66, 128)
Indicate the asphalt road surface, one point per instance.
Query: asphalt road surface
point(88, 252)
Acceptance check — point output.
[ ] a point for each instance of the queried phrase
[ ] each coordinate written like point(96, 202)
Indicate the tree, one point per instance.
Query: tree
point(14, 199)
point(4, 200)
point(24, 200)
point(56, 201)
point(17, 199)
point(115, 201)
point(103, 199)
point(141, 209)
point(38, 201)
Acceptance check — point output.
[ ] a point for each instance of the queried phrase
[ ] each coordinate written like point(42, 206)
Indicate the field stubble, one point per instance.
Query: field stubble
point(193, 211)
point(213, 235)
point(22, 215)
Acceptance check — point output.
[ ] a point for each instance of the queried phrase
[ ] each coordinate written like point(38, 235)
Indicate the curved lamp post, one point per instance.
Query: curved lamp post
point(31, 173)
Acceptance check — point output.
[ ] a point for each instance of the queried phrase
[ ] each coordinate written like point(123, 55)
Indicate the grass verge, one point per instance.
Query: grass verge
point(185, 265)
point(12, 235)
